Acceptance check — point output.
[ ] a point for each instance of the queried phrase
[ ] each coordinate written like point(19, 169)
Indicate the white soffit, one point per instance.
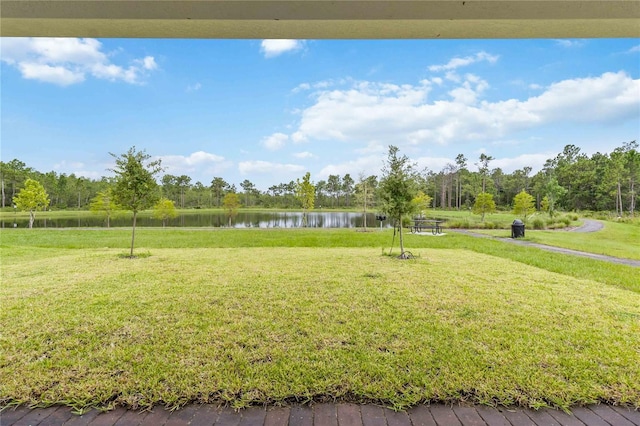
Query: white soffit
point(320, 19)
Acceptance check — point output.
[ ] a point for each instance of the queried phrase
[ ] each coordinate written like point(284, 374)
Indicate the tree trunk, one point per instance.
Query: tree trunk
point(3, 192)
point(633, 198)
point(364, 208)
point(32, 218)
point(108, 224)
point(619, 201)
point(133, 232)
point(401, 239)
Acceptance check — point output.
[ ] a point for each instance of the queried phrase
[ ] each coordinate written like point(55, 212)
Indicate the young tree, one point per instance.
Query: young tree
point(523, 204)
point(553, 191)
point(484, 204)
point(398, 187)
point(422, 202)
point(306, 194)
point(164, 210)
point(231, 204)
point(31, 198)
point(135, 186)
point(104, 202)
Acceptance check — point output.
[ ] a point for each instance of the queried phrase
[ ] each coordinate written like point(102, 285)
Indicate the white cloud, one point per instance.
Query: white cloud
point(569, 43)
point(275, 142)
point(535, 161)
point(381, 114)
point(195, 162)
point(66, 61)
point(194, 87)
point(634, 49)
point(50, 74)
point(463, 62)
point(68, 165)
point(369, 165)
point(258, 166)
point(275, 47)
point(304, 154)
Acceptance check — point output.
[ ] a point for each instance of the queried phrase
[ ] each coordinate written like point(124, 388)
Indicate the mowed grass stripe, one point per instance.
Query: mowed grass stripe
point(254, 325)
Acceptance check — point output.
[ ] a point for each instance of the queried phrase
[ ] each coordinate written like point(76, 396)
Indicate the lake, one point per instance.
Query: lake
point(267, 219)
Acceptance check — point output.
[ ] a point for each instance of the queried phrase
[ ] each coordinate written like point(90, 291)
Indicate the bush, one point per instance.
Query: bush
point(566, 220)
point(574, 217)
point(538, 223)
point(459, 224)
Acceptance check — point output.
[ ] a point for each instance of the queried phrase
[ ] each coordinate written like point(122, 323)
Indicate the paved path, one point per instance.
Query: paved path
point(589, 225)
point(327, 415)
point(628, 262)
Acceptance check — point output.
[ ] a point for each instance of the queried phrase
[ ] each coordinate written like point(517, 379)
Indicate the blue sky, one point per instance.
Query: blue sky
point(271, 110)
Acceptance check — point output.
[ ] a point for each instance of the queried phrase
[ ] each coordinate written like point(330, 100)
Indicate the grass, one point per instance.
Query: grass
point(265, 316)
point(616, 239)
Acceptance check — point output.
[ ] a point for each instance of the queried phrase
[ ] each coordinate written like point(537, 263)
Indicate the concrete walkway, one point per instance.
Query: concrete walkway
point(585, 228)
point(326, 415)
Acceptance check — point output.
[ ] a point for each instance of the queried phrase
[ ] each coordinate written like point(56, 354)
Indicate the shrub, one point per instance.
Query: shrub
point(566, 220)
point(538, 223)
point(459, 224)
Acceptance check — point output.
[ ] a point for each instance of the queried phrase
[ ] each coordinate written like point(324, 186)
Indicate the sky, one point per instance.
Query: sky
point(271, 110)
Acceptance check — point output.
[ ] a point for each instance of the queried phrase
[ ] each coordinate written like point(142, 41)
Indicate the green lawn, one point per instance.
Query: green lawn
point(242, 316)
point(616, 239)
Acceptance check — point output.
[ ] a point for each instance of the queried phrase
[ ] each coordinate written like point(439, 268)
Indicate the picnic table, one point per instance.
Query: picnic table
point(418, 225)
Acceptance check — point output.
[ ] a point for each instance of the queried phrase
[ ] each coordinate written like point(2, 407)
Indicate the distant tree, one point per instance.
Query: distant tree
point(321, 186)
point(249, 188)
point(306, 194)
point(199, 189)
point(169, 186)
point(183, 182)
point(104, 202)
point(523, 205)
point(461, 164)
point(632, 164)
point(231, 204)
point(334, 185)
point(398, 187)
point(347, 189)
point(164, 210)
point(135, 186)
point(218, 187)
point(365, 191)
point(483, 169)
point(31, 198)
point(484, 204)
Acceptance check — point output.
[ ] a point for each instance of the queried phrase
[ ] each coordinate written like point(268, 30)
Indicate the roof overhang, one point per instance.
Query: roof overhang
point(321, 19)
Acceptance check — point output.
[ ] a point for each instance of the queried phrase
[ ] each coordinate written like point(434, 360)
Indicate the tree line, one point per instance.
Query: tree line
point(571, 181)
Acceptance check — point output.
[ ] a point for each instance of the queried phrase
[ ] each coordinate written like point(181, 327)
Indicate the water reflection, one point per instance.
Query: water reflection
point(215, 220)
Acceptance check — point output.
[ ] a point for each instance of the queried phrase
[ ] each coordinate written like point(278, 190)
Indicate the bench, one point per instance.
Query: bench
point(426, 224)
